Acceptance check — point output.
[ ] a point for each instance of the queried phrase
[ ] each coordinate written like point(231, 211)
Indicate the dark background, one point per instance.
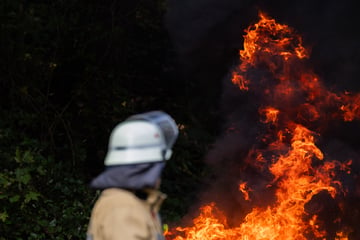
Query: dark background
point(71, 70)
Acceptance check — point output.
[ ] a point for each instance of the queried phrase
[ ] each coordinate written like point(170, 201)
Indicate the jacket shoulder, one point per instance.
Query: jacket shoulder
point(118, 197)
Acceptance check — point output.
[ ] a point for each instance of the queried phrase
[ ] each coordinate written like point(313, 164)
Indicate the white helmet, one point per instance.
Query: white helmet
point(142, 138)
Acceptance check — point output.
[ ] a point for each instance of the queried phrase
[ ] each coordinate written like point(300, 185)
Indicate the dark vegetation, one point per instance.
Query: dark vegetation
point(70, 70)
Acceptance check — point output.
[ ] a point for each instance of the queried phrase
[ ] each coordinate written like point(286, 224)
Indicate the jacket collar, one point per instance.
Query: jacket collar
point(152, 196)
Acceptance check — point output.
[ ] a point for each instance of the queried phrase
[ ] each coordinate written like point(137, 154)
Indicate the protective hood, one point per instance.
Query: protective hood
point(137, 176)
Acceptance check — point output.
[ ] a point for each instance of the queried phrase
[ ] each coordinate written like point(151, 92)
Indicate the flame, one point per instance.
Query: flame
point(244, 188)
point(267, 38)
point(297, 105)
point(271, 114)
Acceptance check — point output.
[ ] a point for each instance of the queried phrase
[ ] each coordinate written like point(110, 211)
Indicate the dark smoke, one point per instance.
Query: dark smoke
point(208, 34)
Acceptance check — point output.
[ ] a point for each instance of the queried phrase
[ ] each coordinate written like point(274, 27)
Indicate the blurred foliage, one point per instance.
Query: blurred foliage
point(69, 71)
point(41, 197)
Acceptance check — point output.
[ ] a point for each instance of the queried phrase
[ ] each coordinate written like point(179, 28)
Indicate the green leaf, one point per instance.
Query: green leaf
point(5, 180)
point(28, 157)
point(31, 196)
point(2, 195)
point(17, 155)
point(14, 198)
point(41, 170)
point(23, 175)
point(3, 216)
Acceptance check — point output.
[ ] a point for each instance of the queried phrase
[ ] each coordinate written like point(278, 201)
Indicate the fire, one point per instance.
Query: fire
point(296, 104)
point(267, 38)
point(271, 114)
point(243, 187)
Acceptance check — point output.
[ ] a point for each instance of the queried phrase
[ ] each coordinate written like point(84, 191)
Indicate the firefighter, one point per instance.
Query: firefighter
point(128, 206)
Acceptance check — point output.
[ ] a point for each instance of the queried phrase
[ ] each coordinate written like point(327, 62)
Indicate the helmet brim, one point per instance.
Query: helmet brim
point(130, 156)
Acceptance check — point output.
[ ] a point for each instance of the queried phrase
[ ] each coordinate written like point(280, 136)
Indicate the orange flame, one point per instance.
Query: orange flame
point(300, 172)
point(244, 188)
point(298, 183)
point(271, 114)
point(267, 38)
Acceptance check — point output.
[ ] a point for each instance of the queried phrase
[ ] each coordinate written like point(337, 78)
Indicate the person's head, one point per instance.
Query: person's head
point(142, 138)
point(137, 152)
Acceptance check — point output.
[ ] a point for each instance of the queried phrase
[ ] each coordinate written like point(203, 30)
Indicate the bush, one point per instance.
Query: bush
point(40, 197)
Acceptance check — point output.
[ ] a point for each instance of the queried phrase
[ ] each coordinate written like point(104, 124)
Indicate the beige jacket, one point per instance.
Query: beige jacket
point(120, 214)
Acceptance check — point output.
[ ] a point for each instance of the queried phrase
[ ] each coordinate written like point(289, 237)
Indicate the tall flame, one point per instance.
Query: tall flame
point(294, 103)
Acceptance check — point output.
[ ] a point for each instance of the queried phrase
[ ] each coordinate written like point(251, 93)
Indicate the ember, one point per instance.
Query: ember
point(293, 111)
